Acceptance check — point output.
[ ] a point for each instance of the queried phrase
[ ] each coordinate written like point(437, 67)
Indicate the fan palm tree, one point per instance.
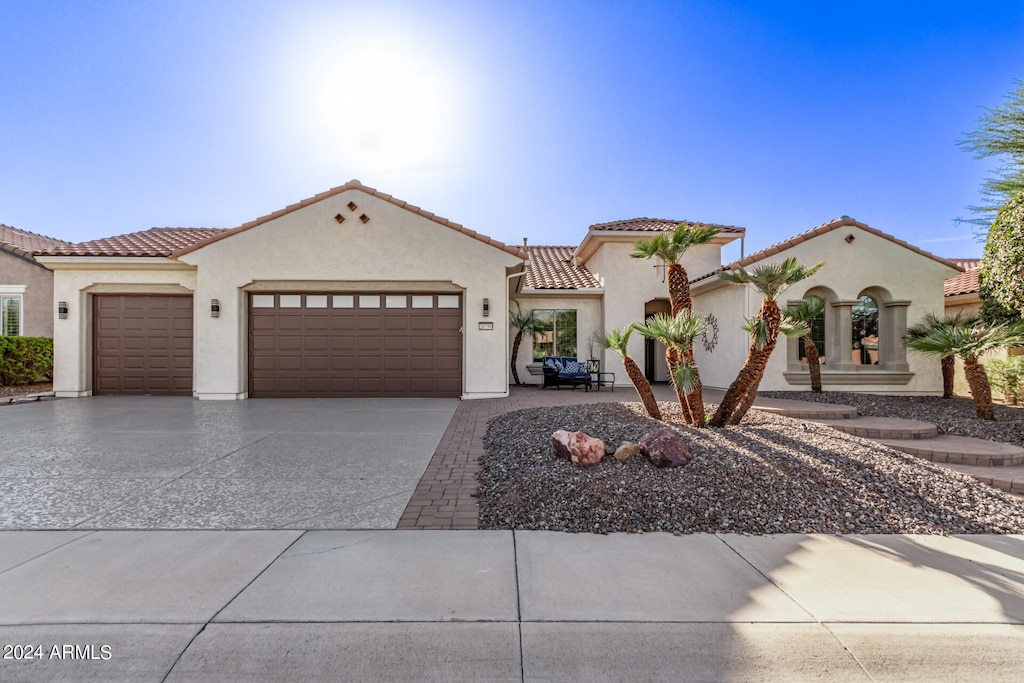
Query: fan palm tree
point(678, 332)
point(618, 340)
point(970, 338)
point(522, 323)
point(804, 311)
point(669, 249)
point(929, 323)
point(770, 280)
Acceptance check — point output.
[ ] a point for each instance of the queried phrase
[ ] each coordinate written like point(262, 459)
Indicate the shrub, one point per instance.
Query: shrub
point(25, 360)
point(1007, 375)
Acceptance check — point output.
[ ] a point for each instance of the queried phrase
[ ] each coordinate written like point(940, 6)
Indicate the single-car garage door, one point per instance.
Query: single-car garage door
point(142, 344)
point(351, 344)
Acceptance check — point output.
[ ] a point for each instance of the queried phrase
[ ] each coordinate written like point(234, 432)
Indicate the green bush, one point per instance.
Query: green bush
point(25, 360)
point(1007, 375)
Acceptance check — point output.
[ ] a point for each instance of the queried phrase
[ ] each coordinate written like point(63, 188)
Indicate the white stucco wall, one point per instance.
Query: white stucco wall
point(719, 366)
point(869, 261)
point(76, 281)
point(308, 250)
point(629, 283)
point(588, 321)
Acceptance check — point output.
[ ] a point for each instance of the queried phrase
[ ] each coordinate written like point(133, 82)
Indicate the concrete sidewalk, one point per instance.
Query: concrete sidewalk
point(500, 605)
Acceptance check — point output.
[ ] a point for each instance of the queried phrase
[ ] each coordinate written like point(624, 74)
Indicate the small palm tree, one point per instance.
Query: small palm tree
point(970, 338)
point(929, 323)
point(523, 323)
point(618, 340)
point(804, 311)
point(678, 332)
point(669, 249)
point(770, 280)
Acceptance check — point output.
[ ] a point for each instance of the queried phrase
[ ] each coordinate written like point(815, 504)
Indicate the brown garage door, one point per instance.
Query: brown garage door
point(142, 345)
point(350, 344)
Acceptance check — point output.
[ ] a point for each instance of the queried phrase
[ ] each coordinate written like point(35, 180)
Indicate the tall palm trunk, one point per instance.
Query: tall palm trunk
point(981, 391)
point(674, 360)
point(948, 370)
point(643, 387)
point(741, 393)
point(692, 403)
point(813, 364)
point(515, 356)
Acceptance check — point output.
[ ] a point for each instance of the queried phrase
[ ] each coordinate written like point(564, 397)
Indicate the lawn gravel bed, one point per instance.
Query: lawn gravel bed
point(950, 415)
point(770, 475)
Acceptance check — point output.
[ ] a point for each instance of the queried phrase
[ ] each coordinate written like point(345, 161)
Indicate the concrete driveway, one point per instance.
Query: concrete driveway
point(178, 463)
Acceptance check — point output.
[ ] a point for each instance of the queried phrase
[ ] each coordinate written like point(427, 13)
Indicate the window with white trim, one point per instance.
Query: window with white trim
point(11, 315)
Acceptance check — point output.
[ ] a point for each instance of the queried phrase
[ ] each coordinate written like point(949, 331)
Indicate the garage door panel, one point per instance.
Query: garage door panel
point(356, 345)
point(142, 344)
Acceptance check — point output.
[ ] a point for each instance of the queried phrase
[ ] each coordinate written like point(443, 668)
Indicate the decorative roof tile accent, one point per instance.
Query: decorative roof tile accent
point(842, 222)
point(657, 225)
point(555, 268)
point(967, 282)
point(152, 242)
point(351, 185)
point(25, 243)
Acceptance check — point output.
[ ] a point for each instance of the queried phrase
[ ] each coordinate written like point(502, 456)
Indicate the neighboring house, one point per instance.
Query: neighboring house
point(355, 293)
point(963, 295)
point(26, 286)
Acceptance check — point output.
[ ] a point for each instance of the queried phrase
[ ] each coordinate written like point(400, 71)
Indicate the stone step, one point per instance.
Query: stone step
point(1009, 478)
point(883, 427)
point(958, 450)
point(807, 410)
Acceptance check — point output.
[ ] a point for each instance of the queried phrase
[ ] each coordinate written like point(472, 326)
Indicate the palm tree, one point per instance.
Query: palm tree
point(678, 332)
point(770, 280)
point(929, 323)
point(804, 311)
point(522, 323)
point(618, 340)
point(970, 338)
point(669, 249)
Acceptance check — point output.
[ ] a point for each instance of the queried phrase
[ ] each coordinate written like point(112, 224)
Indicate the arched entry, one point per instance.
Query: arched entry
point(655, 368)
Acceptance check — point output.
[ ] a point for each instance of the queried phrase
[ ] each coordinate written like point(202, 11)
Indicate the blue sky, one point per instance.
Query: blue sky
point(531, 119)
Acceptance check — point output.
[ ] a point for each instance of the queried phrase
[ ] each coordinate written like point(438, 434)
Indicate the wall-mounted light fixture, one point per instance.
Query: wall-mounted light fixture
point(487, 307)
point(214, 308)
point(62, 310)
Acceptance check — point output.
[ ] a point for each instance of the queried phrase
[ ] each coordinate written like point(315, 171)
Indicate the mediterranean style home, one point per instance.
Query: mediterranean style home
point(26, 285)
point(353, 292)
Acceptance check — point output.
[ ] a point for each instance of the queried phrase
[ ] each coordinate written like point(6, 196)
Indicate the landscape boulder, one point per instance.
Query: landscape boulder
point(577, 446)
point(665, 448)
point(626, 450)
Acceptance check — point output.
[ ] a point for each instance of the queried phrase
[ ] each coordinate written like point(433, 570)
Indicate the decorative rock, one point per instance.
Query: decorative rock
point(577, 446)
point(665, 448)
point(626, 450)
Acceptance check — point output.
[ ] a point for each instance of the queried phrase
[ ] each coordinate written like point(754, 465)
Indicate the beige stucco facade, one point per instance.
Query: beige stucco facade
point(905, 283)
point(304, 250)
point(23, 277)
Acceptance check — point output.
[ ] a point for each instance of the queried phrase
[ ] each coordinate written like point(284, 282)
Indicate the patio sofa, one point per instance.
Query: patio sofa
point(565, 371)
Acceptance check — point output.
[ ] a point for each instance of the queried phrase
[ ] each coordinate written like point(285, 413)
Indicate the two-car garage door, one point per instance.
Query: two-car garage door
point(300, 345)
point(355, 344)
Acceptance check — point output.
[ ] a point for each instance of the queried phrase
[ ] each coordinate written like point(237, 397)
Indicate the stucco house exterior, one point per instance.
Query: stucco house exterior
point(26, 285)
point(353, 292)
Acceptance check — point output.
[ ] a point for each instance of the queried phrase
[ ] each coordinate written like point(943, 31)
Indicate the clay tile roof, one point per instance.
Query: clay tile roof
point(555, 268)
point(152, 242)
point(24, 243)
point(657, 225)
point(844, 221)
point(352, 185)
point(966, 282)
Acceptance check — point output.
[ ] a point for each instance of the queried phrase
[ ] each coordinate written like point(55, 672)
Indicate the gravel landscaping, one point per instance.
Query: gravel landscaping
point(771, 475)
point(950, 415)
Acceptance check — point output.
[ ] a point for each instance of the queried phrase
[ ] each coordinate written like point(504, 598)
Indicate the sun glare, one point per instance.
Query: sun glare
point(385, 104)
